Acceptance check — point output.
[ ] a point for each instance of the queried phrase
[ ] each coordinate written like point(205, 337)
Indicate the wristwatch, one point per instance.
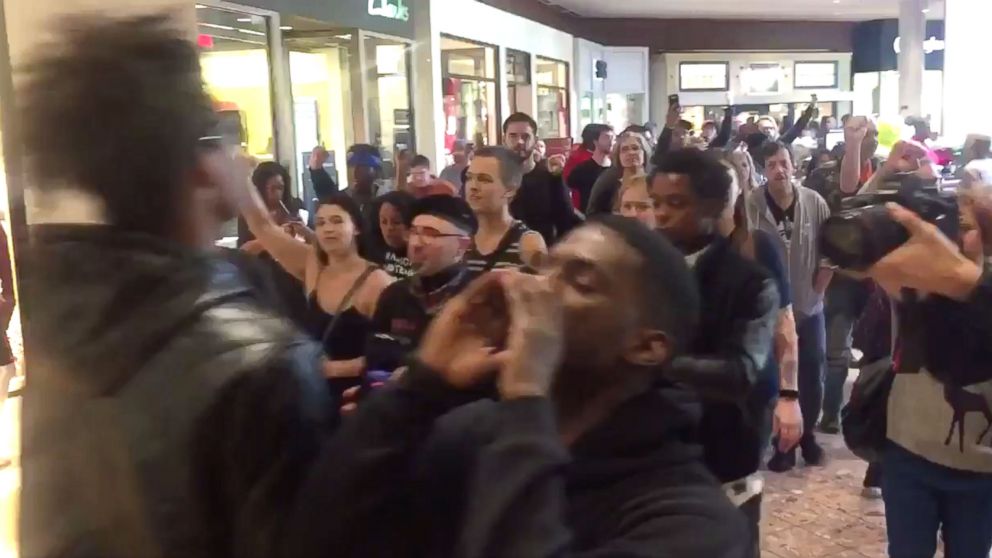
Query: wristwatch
point(788, 394)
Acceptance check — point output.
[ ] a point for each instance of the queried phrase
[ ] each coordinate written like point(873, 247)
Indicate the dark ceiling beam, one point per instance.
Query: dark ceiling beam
point(689, 34)
point(718, 34)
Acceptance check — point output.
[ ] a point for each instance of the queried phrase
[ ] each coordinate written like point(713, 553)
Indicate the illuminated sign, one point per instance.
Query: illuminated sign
point(391, 9)
point(933, 44)
point(704, 76)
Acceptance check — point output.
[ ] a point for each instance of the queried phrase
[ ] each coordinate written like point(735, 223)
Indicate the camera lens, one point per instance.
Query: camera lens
point(857, 238)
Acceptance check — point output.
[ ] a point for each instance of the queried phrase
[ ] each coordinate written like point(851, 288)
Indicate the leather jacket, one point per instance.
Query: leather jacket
point(167, 412)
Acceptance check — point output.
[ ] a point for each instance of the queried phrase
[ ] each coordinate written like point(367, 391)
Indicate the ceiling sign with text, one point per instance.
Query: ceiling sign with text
point(391, 9)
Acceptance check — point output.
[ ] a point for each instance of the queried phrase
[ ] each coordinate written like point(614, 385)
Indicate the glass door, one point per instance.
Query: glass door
point(320, 66)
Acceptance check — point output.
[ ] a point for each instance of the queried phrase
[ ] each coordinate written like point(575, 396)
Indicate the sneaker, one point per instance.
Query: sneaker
point(813, 454)
point(829, 426)
point(782, 462)
point(871, 493)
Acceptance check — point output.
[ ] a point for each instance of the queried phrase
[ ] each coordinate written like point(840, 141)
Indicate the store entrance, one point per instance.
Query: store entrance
point(320, 65)
point(349, 86)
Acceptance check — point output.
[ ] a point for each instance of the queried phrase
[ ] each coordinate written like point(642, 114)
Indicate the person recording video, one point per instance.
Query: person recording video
point(927, 250)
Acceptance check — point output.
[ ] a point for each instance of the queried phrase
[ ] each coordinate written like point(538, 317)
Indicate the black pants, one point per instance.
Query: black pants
point(752, 511)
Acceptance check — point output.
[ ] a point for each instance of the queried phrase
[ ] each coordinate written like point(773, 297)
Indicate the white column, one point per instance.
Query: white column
point(912, 33)
point(427, 102)
point(966, 85)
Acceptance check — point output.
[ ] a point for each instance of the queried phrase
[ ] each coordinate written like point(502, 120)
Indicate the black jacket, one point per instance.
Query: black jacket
point(167, 414)
point(492, 479)
point(543, 204)
point(404, 311)
point(739, 312)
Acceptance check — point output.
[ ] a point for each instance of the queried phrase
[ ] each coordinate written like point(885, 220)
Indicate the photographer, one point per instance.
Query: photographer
point(937, 457)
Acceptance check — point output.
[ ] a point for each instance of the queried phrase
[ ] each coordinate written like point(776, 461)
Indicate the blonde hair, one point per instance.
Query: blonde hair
point(627, 184)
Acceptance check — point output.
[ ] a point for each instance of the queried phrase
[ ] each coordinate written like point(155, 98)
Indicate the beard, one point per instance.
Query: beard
point(523, 153)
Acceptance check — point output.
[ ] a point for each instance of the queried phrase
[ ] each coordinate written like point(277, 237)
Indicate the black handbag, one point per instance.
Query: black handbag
point(863, 419)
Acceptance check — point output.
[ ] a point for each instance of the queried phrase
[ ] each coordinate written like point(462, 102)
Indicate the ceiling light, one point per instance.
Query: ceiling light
point(200, 6)
point(343, 37)
point(286, 27)
point(215, 26)
point(244, 20)
point(926, 10)
point(251, 32)
point(836, 1)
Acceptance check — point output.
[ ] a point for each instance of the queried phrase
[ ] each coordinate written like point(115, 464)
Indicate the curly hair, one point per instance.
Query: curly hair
point(116, 107)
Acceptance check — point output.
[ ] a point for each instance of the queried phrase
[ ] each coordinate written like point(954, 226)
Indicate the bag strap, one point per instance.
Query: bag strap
point(512, 235)
point(347, 300)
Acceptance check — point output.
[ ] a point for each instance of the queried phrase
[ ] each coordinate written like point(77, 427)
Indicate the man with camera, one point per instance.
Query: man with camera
point(938, 453)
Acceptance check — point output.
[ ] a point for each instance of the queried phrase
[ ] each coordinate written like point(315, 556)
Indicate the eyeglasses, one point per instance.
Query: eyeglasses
point(429, 235)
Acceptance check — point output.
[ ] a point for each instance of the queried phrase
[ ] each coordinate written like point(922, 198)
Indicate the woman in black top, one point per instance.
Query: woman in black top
point(630, 157)
point(272, 181)
point(388, 241)
point(343, 287)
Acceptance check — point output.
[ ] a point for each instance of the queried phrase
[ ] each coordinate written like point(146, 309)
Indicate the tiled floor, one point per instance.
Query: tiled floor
point(814, 512)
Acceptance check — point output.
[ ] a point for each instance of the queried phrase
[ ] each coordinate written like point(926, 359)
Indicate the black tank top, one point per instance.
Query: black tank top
point(507, 254)
point(343, 339)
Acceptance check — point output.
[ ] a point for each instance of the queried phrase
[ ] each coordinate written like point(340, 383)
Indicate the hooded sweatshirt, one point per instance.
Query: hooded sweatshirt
point(492, 479)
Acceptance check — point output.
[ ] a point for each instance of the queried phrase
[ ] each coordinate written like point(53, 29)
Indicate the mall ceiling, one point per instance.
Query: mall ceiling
point(818, 10)
point(694, 25)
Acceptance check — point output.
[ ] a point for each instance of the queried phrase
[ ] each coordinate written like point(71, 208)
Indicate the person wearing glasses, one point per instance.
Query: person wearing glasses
point(441, 231)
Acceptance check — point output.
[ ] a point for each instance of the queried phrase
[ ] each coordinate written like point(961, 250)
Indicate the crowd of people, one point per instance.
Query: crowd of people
point(591, 355)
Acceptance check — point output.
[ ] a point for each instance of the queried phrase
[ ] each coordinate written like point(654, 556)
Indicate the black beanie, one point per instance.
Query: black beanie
point(450, 208)
point(668, 283)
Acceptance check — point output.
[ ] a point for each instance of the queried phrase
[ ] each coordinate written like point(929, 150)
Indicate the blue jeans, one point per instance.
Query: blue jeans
point(845, 302)
point(812, 344)
point(922, 497)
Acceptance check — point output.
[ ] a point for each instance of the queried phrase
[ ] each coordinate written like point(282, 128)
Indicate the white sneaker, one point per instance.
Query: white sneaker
point(871, 493)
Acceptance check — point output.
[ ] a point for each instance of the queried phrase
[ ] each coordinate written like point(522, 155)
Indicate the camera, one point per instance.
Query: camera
point(863, 232)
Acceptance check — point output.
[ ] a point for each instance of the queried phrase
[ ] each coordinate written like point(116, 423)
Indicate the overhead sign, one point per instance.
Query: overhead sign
point(391, 9)
point(876, 46)
point(933, 44)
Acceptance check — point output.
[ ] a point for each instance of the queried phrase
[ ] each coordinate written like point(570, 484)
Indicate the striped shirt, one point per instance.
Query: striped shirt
point(802, 252)
point(507, 254)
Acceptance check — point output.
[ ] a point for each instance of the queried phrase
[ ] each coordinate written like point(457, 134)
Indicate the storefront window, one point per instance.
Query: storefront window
point(552, 98)
point(388, 92)
point(236, 69)
point(468, 74)
point(320, 74)
point(234, 59)
point(12, 383)
point(624, 110)
point(518, 87)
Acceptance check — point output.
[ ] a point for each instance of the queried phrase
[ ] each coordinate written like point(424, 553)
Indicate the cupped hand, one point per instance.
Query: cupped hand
point(536, 340)
point(456, 346)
